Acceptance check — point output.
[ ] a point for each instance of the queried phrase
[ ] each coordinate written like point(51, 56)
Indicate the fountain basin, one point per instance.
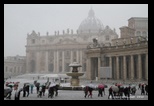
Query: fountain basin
point(75, 74)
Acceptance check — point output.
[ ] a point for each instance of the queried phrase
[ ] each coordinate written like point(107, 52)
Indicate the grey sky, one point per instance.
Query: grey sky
point(20, 19)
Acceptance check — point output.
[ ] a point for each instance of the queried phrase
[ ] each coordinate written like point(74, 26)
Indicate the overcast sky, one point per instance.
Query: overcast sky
point(20, 19)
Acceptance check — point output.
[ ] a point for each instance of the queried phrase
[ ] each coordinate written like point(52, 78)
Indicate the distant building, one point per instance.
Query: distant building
point(140, 24)
point(14, 65)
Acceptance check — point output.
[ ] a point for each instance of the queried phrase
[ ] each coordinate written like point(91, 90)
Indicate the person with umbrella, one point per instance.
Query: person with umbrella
point(91, 87)
point(100, 90)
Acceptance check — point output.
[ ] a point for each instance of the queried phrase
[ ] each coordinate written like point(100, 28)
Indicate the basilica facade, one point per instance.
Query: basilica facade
point(53, 53)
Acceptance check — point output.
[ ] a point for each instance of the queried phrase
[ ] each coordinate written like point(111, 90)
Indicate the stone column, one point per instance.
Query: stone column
point(57, 61)
point(81, 59)
point(139, 71)
point(77, 57)
point(88, 67)
point(110, 61)
point(146, 67)
point(71, 60)
point(117, 67)
point(54, 61)
point(37, 62)
point(124, 67)
point(132, 67)
point(99, 64)
point(71, 57)
point(46, 62)
point(110, 64)
point(27, 63)
point(63, 61)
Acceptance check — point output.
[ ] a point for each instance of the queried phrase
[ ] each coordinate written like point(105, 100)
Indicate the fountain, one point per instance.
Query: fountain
point(74, 74)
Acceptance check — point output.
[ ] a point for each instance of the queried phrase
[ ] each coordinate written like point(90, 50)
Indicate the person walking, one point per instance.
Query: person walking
point(110, 92)
point(142, 89)
point(17, 94)
point(31, 88)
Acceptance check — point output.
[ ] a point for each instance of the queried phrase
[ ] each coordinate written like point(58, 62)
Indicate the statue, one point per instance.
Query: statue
point(55, 32)
point(63, 32)
point(94, 45)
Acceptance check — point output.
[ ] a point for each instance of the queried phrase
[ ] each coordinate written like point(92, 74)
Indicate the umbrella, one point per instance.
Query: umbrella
point(133, 86)
point(53, 84)
point(119, 84)
point(91, 85)
point(10, 85)
point(7, 90)
point(27, 84)
point(100, 86)
point(115, 88)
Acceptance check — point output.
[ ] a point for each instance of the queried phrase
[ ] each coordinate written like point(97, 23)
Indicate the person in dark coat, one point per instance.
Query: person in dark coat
point(43, 90)
point(86, 91)
point(27, 90)
point(142, 90)
point(31, 88)
point(17, 94)
point(110, 92)
point(146, 89)
point(90, 92)
point(24, 90)
point(100, 92)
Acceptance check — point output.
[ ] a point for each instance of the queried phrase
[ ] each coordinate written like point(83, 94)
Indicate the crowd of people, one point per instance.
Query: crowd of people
point(115, 91)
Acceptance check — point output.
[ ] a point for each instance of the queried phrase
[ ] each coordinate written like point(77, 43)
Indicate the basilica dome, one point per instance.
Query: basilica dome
point(91, 24)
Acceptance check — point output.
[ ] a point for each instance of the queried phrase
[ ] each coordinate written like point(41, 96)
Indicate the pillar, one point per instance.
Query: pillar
point(99, 65)
point(37, 62)
point(132, 67)
point(46, 62)
point(117, 67)
point(110, 64)
point(146, 66)
point(139, 71)
point(81, 59)
point(124, 67)
point(77, 57)
point(54, 61)
point(88, 67)
point(57, 62)
point(63, 61)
